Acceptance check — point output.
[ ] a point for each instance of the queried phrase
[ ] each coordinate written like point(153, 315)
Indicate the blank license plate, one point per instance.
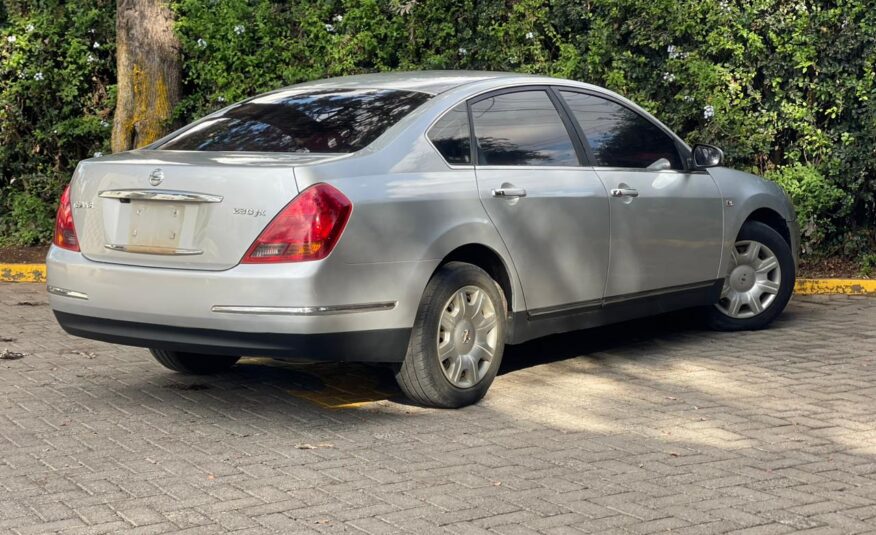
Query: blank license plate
point(155, 224)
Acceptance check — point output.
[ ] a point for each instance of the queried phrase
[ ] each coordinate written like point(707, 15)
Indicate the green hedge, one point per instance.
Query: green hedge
point(786, 88)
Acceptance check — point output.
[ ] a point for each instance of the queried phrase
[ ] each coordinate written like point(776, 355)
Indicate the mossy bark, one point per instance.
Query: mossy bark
point(148, 62)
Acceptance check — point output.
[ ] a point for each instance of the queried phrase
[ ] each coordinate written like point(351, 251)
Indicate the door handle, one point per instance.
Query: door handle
point(509, 193)
point(624, 192)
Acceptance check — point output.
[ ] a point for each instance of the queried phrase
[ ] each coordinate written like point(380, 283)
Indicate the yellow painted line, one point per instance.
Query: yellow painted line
point(37, 273)
point(22, 273)
point(835, 286)
point(331, 386)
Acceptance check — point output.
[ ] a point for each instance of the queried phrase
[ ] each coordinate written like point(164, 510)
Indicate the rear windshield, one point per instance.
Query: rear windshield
point(336, 120)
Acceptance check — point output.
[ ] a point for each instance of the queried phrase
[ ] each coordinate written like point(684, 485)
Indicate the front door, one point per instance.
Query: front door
point(551, 212)
point(666, 222)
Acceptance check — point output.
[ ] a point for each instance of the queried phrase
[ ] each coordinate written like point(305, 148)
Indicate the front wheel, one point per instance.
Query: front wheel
point(759, 282)
point(458, 338)
point(193, 363)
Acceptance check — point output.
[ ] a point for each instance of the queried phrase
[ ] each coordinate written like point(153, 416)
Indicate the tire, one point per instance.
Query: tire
point(461, 332)
point(747, 317)
point(193, 363)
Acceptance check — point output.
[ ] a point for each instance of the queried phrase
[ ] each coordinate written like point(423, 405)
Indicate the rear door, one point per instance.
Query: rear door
point(666, 222)
point(550, 210)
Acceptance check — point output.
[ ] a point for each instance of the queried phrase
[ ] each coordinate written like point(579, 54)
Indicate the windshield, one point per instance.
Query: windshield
point(328, 121)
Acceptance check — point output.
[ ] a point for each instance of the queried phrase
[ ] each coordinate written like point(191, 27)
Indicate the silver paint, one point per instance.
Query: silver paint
point(566, 241)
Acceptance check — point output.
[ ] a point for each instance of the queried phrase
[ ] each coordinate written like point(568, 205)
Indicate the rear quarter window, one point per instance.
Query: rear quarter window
point(324, 121)
point(452, 136)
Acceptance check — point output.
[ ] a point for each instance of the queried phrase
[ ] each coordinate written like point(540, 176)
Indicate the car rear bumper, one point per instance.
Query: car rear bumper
point(384, 345)
point(308, 310)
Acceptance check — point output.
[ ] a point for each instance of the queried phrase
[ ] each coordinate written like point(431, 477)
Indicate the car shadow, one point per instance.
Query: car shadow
point(350, 385)
point(559, 347)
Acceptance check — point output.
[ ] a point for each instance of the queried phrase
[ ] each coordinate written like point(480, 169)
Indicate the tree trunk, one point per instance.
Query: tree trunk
point(148, 64)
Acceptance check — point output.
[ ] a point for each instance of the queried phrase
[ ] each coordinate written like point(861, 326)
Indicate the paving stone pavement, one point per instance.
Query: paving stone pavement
point(651, 426)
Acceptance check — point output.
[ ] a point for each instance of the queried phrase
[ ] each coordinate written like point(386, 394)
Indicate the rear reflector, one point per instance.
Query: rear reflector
point(308, 228)
point(65, 232)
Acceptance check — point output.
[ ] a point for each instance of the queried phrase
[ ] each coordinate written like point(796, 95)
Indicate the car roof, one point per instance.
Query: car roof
point(432, 82)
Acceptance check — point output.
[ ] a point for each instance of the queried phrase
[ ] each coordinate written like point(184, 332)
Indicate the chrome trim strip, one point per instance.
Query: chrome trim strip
point(147, 249)
point(593, 304)
point(598, 168)
point(305, 311)
point(540, 167)
point(562, 309)
point(160, 195)
point(63, 292)
point(658, 292)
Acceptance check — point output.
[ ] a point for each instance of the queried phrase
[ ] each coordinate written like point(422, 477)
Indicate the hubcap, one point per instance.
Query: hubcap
point(467, 335)
point(753, 282)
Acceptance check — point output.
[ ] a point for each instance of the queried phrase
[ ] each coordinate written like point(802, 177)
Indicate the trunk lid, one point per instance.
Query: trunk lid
point(180, 209)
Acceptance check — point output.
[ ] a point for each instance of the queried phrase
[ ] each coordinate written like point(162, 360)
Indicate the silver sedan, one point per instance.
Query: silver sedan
point(420, 219)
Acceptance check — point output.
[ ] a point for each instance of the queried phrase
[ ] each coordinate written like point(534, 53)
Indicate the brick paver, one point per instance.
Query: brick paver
point(651, 426)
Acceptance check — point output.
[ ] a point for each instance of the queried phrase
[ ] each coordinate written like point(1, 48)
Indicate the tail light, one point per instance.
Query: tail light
point(65, 232)
point(308, 228)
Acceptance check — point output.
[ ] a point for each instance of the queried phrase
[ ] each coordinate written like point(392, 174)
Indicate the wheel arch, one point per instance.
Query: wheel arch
point(489, 260)
point(772, 219)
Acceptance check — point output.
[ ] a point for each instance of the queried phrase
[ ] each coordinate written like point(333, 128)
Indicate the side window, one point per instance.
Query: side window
point(620, 137)
point(451, 136)
point(522, 128)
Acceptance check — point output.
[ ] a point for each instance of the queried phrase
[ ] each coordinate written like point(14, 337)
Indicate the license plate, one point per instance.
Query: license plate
point(155, 224)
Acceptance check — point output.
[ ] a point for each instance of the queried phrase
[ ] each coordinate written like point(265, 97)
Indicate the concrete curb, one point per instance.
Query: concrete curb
point(835, 286)
point(22, 273)
point(37, 273)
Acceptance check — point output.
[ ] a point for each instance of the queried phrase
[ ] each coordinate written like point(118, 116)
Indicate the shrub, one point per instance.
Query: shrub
point(56, 69)
point(819, 204)
point(788, 89)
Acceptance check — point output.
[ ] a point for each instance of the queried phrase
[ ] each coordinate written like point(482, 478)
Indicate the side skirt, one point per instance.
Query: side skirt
point(572, 317)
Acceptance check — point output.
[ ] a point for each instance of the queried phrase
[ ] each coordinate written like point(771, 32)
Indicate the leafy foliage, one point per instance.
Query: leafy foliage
point(819, 203)
point(56, 68)
point(788, 89)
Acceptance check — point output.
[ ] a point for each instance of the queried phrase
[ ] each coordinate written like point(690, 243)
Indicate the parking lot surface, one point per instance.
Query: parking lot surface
point(646, 427)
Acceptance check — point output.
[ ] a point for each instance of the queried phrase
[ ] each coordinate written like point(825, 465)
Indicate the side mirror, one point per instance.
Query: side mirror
point(705, 156)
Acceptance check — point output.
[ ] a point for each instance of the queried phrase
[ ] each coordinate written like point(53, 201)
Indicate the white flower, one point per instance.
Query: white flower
point(29, 28)
point(673, 52)
point(668, 77)
point(98, 154)
point(38, 76)
point(220, 99)
point(11, 39)
point(338, 18)
point(90, 58)
point(238, 29)
point(104, 124)
point(709, 112)
point(687, 98)
point(202, 43)
point(462, 51)
point(530, 35)
point(330, 28)
point(95, 45)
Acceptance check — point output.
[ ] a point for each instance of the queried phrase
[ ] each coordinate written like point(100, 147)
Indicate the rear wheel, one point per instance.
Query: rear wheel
point(458, 338)
point(193, 363)
point(759, 282)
